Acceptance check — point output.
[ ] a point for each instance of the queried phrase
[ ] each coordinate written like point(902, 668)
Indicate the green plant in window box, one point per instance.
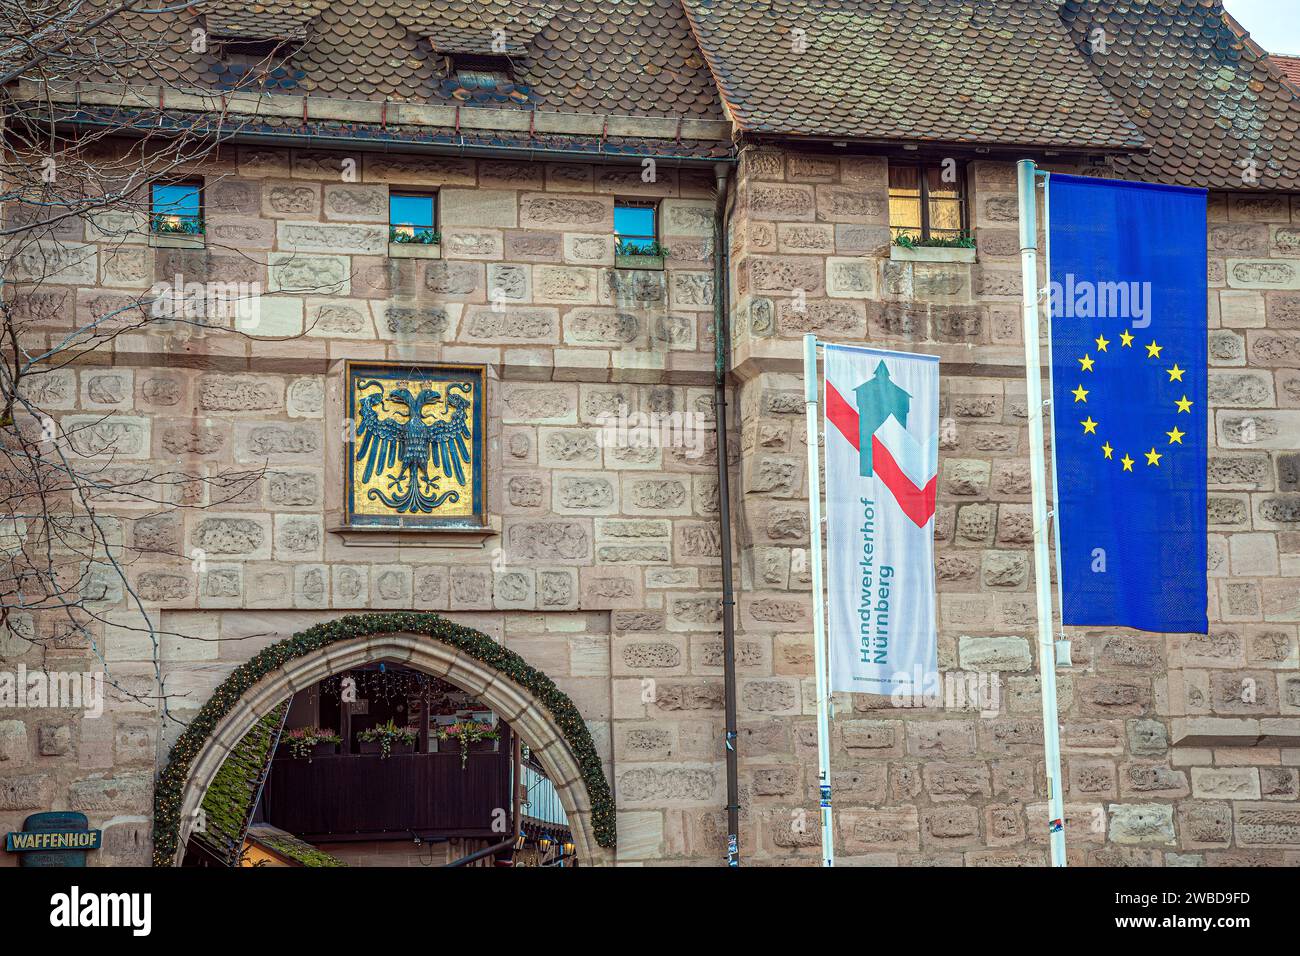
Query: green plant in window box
point(303, 741)
point(467, 732)
point(387, 736)
point(963, 241)
point(167, 225)
point(417, 235)
point(640, 255)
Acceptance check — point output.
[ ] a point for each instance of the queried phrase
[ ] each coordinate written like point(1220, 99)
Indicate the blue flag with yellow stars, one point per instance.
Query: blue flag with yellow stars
point(1127, 289)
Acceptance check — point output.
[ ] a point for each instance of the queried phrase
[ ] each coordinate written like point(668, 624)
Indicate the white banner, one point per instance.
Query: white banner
point(882, 456)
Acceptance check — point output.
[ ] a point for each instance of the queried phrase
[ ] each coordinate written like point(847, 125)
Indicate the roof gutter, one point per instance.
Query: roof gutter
point(461, 148)
point(244, 116)
point(873, 144)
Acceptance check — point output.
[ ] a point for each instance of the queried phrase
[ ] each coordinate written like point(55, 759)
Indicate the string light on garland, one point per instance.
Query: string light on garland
point(170, 789)
point(394, 685)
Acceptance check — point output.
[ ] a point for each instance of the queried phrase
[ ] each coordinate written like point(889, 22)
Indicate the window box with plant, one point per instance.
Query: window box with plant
point(412, 226)
point(388, 739)
point(927, 213)
point(636, 236)
point(176, 215)
point(470, 735)
point(631, 255)
point(912, 248)
point(303, 743)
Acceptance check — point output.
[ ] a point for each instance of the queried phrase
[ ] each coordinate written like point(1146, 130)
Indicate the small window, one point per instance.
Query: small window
point(176, 209)
point(413, 218)
point(636, 228)
point(482, 72)
point(923, 206)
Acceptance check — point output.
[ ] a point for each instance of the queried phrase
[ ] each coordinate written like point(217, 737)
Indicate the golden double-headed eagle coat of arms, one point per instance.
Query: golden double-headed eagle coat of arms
point(415, 454)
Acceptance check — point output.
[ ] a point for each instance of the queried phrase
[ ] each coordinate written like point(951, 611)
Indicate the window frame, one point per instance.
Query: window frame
point(922, 167)
point(414, 192)
point(481, 63)
point(638, 203)
point(201, 218)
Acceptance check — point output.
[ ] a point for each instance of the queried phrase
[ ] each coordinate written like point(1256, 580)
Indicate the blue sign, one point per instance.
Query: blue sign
point(58, 838)
point(1128, 305)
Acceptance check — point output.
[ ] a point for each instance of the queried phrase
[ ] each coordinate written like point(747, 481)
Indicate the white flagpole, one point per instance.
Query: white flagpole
point(1026, 175)
point(812, 400)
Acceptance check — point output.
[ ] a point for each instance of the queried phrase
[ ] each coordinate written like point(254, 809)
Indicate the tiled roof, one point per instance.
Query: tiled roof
point(633, 57)
point(1289, 66)
point(962, 71)
point(1213, 112)
point(1174, 84)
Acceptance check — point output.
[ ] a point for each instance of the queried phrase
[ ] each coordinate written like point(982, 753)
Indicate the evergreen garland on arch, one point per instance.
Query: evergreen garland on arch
point(171, 782)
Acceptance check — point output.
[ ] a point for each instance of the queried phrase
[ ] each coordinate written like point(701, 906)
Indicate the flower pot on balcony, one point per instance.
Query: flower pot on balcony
point(304, 743)
point(377, 747)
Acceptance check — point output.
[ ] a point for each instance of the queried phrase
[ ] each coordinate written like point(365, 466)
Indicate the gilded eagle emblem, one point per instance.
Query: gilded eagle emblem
point(423, 452)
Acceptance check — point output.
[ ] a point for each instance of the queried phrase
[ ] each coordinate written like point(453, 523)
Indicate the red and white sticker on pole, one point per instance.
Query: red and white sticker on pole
point(882, 458)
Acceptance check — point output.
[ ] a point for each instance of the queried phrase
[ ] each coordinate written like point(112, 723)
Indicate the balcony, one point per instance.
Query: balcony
point(367, 797)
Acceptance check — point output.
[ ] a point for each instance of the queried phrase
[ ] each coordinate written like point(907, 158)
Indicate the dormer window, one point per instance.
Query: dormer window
point(255, 46)
point(481, 72)
point(248, 50)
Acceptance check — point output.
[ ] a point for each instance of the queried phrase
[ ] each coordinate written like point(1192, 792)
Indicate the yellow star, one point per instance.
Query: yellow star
point(1102, 342)
point(1086, 362)
point(1125, 339)
point(1184, 405)
point(1175, 436)
point(1153, 456)
point(1080, 394)
point(1127, 462)
point(1107, 450)
point(1175, 373)
point(1153, 350)
point(1089, 426)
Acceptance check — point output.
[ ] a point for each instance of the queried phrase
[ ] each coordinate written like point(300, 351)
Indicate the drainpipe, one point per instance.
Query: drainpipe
point(720, 342)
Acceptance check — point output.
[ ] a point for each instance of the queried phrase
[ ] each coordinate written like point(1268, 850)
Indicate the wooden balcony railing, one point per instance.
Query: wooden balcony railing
point(366, 797)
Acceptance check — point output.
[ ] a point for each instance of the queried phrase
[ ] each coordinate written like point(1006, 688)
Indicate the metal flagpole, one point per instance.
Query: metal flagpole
point(820, 655)
point(1038, 476)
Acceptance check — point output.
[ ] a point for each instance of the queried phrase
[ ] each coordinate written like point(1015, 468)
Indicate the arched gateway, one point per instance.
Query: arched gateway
point(525, 697)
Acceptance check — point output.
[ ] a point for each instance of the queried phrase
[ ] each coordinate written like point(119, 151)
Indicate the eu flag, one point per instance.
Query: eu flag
point(1128, 305)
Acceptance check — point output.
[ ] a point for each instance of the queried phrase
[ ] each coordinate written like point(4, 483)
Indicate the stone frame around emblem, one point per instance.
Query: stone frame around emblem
point(407, 478)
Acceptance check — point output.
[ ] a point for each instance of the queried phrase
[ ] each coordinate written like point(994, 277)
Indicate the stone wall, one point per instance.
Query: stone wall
point(1177, 749)
point(605, 571)
point(603, 568)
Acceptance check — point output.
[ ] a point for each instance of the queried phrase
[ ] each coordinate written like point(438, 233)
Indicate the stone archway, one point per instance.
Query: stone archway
point(524, 697)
